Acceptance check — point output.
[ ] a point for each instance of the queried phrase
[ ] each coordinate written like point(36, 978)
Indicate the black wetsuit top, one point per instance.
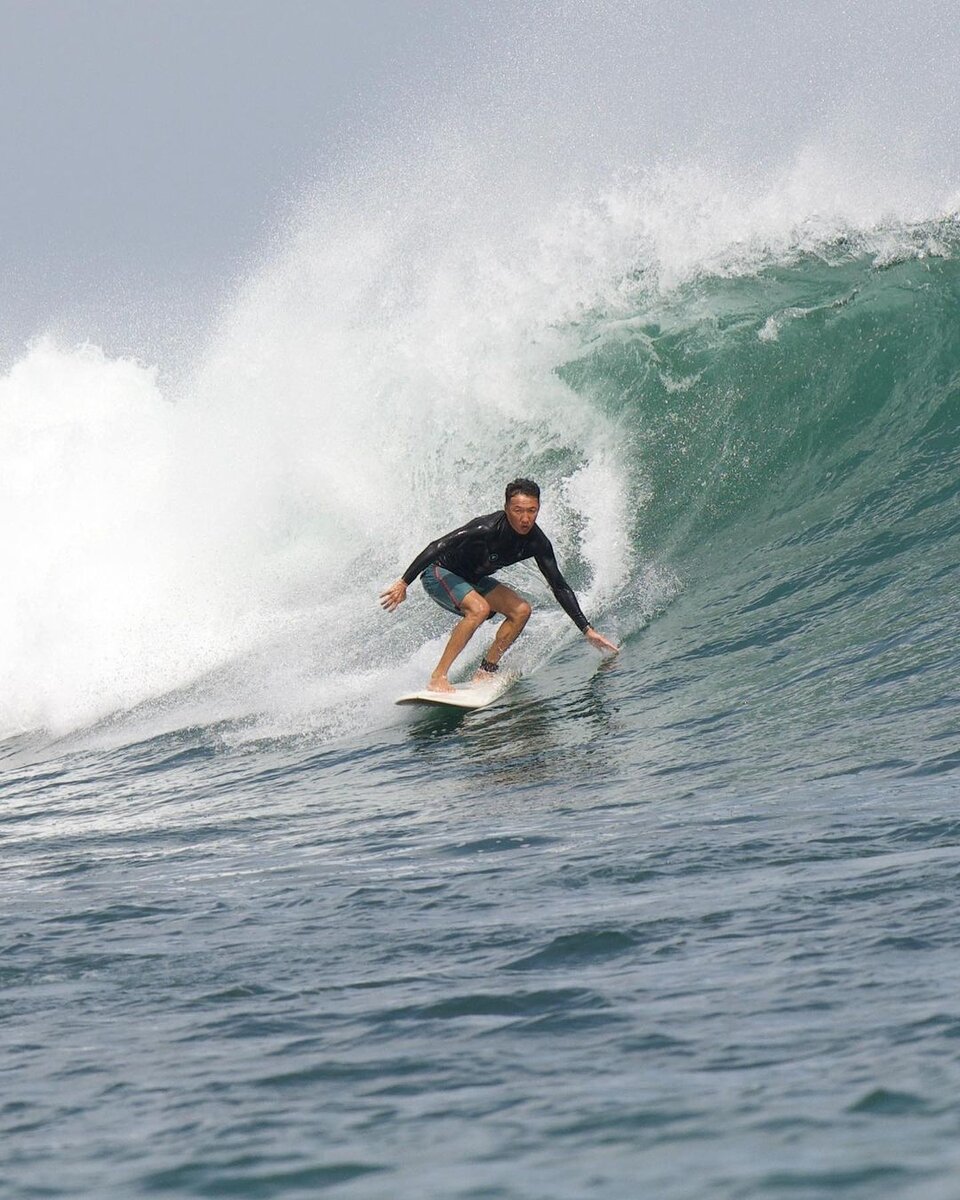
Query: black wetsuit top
point(486, 544)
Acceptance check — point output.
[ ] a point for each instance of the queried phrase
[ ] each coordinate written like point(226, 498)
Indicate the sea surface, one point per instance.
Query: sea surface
point(680, 923)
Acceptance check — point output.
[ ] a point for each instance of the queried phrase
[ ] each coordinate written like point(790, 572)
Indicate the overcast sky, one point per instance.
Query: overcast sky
point(148, 147)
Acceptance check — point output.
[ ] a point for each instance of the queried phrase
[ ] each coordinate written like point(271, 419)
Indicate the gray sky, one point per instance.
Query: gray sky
point(149, 147)
point(146, 146)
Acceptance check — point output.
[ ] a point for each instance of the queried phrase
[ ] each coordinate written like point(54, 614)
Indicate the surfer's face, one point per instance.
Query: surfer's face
point(522, 512)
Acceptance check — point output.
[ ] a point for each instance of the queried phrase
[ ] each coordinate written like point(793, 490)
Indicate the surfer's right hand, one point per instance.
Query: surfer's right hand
point(394, 595)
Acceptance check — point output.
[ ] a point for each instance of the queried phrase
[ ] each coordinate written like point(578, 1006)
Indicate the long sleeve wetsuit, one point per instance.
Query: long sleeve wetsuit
point(486, 544)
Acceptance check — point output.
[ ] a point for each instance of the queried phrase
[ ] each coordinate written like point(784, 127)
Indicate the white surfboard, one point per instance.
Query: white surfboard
point(464, 695)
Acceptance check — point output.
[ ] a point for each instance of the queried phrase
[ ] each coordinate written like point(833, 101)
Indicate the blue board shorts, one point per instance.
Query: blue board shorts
point(448, 590)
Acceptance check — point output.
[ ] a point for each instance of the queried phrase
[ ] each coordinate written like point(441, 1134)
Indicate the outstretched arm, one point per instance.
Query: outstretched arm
point(567, 600)
point(393, 596)
point(431, 553)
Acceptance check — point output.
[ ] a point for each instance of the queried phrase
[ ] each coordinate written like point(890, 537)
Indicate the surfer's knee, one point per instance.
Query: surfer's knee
point(521, 612)
point(475, 609)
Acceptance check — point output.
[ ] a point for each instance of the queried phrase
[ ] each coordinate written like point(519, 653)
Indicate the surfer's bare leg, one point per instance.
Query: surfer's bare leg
point(475, 611)
point(516, 612)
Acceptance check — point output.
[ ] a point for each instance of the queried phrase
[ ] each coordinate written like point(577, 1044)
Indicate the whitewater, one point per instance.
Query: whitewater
point(679, 923)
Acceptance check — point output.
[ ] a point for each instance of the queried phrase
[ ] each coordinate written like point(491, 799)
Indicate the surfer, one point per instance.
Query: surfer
point(456, 573)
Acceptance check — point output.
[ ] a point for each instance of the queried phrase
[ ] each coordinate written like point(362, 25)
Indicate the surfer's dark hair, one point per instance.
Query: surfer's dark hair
point(522, 487)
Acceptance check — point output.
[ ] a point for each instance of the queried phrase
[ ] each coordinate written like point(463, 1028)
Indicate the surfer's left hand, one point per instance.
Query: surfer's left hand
point(598, 640)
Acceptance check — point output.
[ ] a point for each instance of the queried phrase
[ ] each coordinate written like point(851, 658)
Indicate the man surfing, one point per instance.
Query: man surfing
point(456, 573)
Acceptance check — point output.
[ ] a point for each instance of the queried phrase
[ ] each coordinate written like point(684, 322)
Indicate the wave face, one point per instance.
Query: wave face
point(798, 429)
point(744, 399)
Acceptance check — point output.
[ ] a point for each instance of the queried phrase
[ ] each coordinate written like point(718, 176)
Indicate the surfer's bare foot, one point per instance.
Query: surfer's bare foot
point(440, 683)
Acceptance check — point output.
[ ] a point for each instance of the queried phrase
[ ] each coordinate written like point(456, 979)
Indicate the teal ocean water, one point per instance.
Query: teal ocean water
point(679, 924)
